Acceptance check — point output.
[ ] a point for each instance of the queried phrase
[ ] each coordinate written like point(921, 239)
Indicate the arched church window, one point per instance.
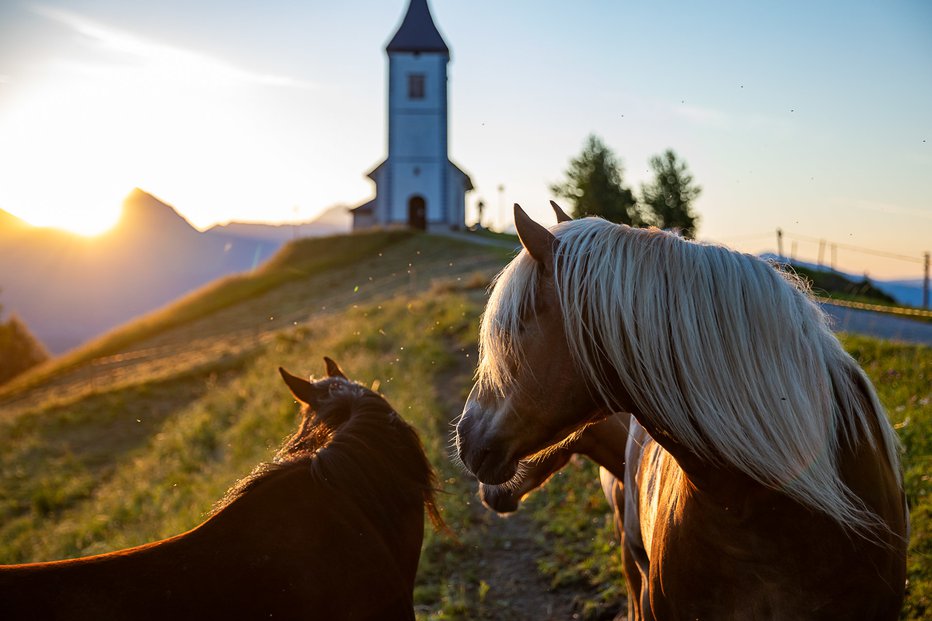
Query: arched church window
point(416, 85)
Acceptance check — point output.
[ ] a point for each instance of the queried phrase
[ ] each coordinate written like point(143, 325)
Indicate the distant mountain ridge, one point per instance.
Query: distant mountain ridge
point(68, 288)
point(333, 221)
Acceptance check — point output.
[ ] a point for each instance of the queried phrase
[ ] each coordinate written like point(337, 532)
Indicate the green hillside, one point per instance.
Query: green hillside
point(133, 437)
point(834, 285)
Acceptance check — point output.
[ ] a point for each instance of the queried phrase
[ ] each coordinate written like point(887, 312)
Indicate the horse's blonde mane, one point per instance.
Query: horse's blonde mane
point(728, 355)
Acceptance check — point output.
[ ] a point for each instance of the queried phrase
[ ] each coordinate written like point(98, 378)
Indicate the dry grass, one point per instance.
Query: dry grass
point(134, 439)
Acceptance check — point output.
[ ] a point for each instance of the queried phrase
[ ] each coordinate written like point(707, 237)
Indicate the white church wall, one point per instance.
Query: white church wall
point(456, 199)
point(416, 179)
point(432, 66)
point(418, 126)
point(418, 136)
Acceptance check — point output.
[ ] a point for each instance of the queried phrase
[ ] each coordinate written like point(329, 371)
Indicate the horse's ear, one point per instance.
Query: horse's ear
point(303, 390)
point(562, 216)
point(537, 240)
point(333, 369)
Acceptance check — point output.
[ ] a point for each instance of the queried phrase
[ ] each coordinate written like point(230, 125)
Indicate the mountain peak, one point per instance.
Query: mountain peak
point(10, 224)
point(143, 212)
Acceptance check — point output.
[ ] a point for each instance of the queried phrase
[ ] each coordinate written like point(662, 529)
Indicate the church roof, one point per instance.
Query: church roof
point(366, 208)
point(468, 185)
point(417, 32)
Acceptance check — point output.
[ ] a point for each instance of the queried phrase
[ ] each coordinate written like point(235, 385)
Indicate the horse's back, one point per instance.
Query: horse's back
point(242, 563)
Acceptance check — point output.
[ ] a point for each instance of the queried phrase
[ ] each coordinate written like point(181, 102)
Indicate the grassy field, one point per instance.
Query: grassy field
point(134, 437)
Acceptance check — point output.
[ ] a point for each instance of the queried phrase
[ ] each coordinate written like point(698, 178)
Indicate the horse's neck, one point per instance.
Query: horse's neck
point(649, 458)
point(282, 491)
point(604, 443)
point(391, 502)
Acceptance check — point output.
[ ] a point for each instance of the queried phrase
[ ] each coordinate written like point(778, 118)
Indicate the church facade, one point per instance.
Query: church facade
point(416, 185)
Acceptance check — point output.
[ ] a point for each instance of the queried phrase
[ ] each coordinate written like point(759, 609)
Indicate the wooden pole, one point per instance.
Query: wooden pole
point(925, 284)
point(780, 243)
point(821, 252)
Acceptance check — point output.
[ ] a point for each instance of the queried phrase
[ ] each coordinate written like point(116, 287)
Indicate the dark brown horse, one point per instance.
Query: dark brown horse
point(331, 529)
point(762, 476)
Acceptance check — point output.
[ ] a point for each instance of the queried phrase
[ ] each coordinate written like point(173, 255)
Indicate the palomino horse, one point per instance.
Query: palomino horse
point(762, 477)
point(331, 529)
point(599, 442)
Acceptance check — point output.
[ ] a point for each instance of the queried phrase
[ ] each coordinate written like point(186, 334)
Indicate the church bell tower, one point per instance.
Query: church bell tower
point(417, 185)
point(417, 117)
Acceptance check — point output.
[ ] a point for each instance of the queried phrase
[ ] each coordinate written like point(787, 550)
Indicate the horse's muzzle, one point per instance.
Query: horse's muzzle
point(498, 498)
point(486, 457)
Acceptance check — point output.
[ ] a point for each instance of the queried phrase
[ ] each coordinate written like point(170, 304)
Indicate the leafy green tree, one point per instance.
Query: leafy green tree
point(594, 186)
point(669, 197)
point(19, 349)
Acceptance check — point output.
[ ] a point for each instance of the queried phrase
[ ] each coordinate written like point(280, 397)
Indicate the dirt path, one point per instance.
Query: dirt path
point(508, 564)
point(505, 550)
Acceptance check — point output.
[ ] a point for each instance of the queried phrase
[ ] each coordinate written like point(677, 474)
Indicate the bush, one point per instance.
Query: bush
point(19, 349)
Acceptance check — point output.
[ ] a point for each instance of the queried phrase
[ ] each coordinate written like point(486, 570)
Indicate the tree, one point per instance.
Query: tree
point(668, 198)
point(594, 186)
point(19, 349)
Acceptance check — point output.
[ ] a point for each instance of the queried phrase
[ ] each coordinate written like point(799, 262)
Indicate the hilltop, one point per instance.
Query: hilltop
point(830, 283)
point(303, 277)
point(134, 436)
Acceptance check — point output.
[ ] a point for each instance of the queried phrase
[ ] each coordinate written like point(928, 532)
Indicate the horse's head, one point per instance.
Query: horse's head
point(317, 396)
point(337, 407)
point(528, 395)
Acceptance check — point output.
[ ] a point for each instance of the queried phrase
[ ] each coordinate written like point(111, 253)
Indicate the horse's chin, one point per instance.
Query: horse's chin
point(491, 472)
point(498, 498)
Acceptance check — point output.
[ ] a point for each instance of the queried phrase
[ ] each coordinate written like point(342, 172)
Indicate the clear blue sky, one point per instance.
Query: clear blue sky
point(811, 116)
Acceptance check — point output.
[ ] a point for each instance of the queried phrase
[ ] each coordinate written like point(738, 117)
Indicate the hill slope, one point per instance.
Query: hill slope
point(133, 437)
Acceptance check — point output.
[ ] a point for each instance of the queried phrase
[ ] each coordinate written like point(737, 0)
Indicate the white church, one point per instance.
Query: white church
point(416, 185)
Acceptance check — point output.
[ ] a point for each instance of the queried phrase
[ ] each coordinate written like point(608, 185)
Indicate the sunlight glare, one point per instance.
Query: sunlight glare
point(78, 136)
point(89, 217)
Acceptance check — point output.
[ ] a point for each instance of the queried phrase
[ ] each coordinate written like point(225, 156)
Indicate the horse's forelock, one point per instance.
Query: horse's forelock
point(510, 303)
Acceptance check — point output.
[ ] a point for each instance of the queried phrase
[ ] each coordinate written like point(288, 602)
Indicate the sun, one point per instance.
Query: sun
point(67, 154)
point(87, 222)
point(87, 213)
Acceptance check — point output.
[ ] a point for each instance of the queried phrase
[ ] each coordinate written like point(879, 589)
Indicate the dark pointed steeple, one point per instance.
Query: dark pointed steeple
point(417, 32)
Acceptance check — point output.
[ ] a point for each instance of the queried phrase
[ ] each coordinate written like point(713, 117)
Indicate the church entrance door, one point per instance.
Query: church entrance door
point(417, 213)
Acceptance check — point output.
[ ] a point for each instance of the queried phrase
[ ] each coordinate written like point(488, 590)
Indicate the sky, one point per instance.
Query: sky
point(815, 118)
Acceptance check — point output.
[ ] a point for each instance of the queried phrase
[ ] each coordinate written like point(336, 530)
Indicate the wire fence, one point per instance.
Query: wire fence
point(827, 254)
